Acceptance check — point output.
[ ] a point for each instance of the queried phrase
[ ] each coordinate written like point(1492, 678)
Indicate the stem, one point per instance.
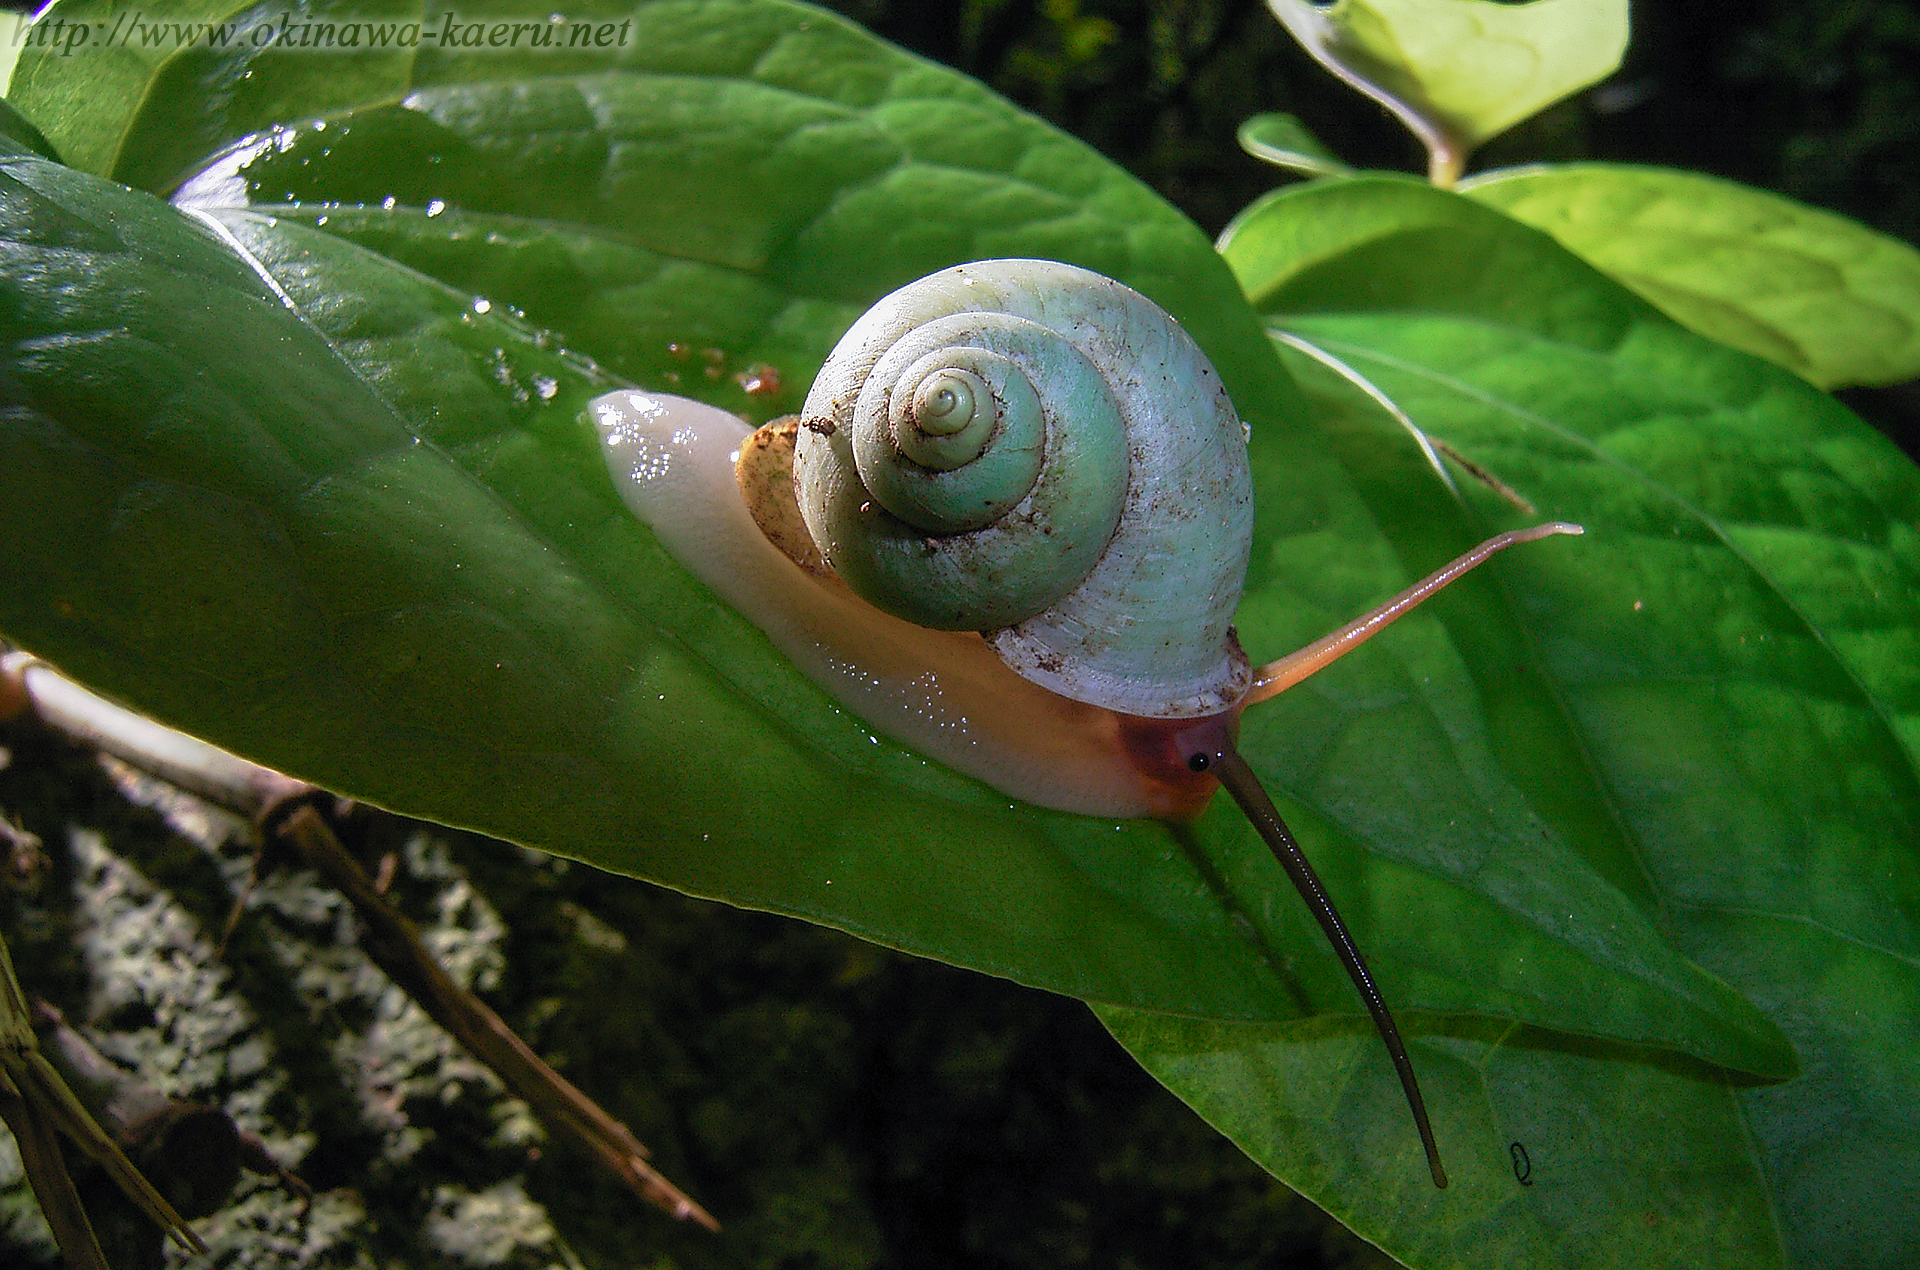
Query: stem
point(37, 1105)
point(1446, 159)
point(1226, 763)
point(394, 944)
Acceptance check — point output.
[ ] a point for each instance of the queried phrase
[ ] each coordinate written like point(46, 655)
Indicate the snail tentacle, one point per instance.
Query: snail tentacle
point(1224, 761)
point(1283, 673)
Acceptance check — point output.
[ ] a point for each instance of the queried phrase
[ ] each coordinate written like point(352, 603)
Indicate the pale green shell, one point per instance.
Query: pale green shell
point(1033, 451)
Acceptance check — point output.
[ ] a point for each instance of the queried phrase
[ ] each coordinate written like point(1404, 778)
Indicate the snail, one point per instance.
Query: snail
point(1010, 528)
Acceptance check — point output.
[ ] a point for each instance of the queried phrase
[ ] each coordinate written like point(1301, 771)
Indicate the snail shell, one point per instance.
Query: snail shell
point(1036, 452)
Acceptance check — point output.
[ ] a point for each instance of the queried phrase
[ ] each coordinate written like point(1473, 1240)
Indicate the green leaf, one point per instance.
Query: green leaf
point(383, 506)
point(145, 94)
point(1457, 72)
point(1590, 1184)
point(1822, 295)
point(1281, 139)
point(18, 134)
point(606, 669)
point(1732, 659)
point(12, 32)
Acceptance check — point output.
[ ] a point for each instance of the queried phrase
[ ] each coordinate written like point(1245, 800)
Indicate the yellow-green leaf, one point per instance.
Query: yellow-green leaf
point(1824, 296)
point(1282, 140)
point(1457, 72)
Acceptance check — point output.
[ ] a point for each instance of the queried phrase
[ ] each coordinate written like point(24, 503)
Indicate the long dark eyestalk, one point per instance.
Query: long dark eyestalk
point(1206, 745)
point(1224, 761)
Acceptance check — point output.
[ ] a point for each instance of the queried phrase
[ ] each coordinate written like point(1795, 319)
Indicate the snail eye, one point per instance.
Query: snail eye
point(1198, 763)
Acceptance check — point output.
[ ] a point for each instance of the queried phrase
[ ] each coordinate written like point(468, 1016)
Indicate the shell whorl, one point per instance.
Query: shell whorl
point(1033, 451)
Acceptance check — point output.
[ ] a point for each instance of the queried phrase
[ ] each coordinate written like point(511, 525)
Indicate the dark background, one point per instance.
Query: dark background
point(1817, 101)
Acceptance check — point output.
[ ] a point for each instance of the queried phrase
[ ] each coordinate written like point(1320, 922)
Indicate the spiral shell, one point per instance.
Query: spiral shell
point(1036, 452)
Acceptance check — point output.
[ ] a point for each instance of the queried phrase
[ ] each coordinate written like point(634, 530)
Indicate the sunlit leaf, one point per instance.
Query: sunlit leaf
point(1732, 659)
point(1457, 72)
point(266, 462)
point(1283, 140)
point(1822, 295)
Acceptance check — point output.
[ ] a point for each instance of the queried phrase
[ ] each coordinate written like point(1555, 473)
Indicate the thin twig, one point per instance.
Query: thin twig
point(285, 808)
point(394, 943)
point(46, 1169)
point(37, 1105)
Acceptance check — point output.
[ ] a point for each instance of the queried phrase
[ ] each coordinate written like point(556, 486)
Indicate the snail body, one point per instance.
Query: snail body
point(946, 694)
point(1014, 520)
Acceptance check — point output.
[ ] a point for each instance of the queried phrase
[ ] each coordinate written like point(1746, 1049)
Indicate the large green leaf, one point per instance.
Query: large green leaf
point(1732, 664)
point(1819, 294)
point(144, 95)
point(412, 569)
point(1457, 72)
point(394, 488)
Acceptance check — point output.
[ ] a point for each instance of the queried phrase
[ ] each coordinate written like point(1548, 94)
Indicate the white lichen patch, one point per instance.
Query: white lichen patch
point(150, 959)
point(384, 1102)
point(487, 1228)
